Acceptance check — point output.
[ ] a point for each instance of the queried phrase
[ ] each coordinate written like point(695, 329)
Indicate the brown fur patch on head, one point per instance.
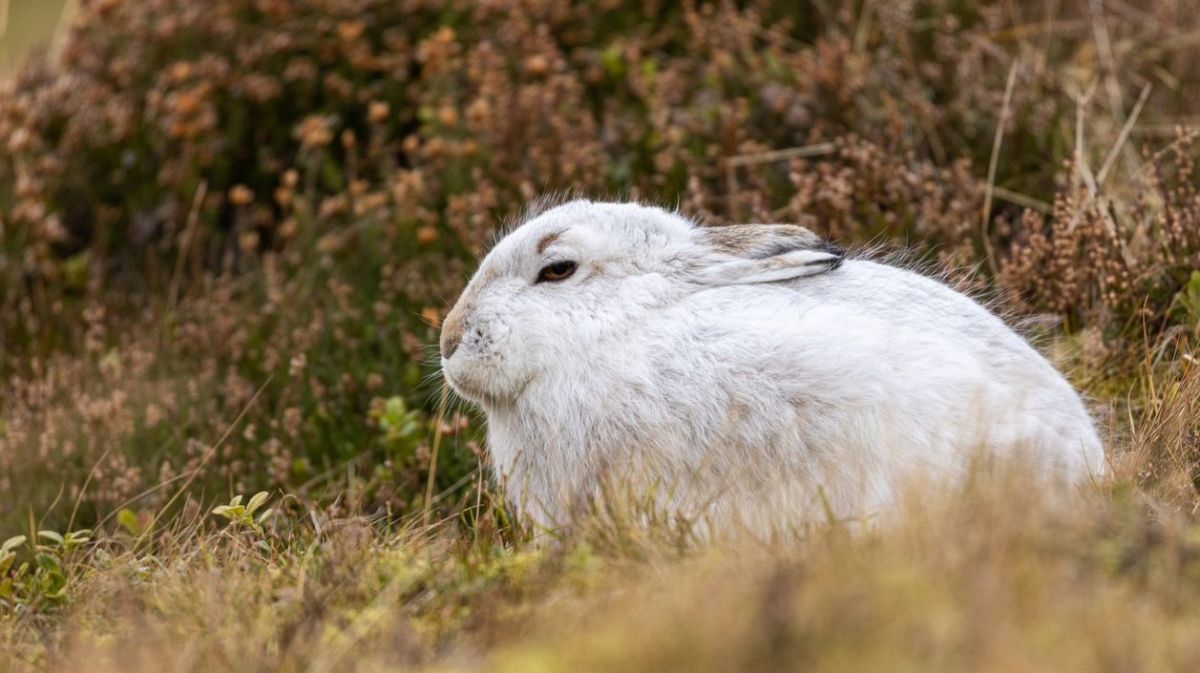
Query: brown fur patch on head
point(547, 240)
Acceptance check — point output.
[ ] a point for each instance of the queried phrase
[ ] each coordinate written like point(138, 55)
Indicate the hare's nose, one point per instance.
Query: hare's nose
point(452, 335)
point(450, 344)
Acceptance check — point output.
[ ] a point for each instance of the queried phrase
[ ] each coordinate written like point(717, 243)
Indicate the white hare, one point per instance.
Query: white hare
point(748, 374)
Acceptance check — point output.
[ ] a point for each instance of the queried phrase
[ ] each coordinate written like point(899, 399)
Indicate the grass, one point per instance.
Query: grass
point(990, 578)
point(186, 329)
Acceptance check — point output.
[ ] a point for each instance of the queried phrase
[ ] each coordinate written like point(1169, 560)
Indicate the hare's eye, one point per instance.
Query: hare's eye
point(557, 271)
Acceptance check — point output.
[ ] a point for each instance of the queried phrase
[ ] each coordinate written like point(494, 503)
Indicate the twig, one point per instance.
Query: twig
point(1105, 50)
point(1021, 199)
point(1123, 137)
point(1053, 28)
point(185, 245)
point(1180, 41)
point(816, 150)
point(985, 216)
point(1081, 164)
point(863, 30)
point(433, 454)
point(1165, 128)
point(83, 489)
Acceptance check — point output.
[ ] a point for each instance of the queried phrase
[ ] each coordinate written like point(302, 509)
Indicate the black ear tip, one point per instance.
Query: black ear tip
point(837, 251)
point(833, 249)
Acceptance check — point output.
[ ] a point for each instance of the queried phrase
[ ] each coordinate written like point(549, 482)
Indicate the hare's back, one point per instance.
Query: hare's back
point(904, 301)
point(946, 336)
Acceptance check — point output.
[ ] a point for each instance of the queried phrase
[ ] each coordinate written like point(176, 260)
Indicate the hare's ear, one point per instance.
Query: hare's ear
point(763, 253)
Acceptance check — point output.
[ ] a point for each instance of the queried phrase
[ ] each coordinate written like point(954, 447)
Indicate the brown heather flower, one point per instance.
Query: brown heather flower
point(241, 195)
point(297, 365)
point(374, 381)
point(378, 112)
point(293, 418)
point(447, 115)
point(438, 51)
point(313, 132)
point(153, 415)
point(349, 31)
point(427, 235)
point(248, 241)
point(537, 65)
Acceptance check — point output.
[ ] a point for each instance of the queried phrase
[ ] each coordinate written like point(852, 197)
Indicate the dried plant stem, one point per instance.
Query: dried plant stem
point(1121, 140)
point(83, 489)
point(185, 246)
point(1022, 200)
point(819, 149)
point(985, 215)
point(1081, 164)
point(439, 424)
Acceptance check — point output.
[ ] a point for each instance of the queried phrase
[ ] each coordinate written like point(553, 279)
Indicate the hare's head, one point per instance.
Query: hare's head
point(583, 276)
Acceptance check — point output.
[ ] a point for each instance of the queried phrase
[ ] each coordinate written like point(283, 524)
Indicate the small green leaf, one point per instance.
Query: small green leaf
point(237, 500)
point(76, 539)
point(128, 520)
point(613, 61)
point(12, 543)
point(256, 501)
point(265, 515)
point(75, 270)
point(48, 562)
point(51, 535)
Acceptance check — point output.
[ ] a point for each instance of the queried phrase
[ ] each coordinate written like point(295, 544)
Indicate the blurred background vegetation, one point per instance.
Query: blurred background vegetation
point(228, 230)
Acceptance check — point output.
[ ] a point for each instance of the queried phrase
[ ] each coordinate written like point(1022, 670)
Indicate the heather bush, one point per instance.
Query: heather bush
point(174, 138)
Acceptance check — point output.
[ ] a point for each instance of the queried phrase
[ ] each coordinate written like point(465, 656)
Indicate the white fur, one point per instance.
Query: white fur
point(747, 398)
